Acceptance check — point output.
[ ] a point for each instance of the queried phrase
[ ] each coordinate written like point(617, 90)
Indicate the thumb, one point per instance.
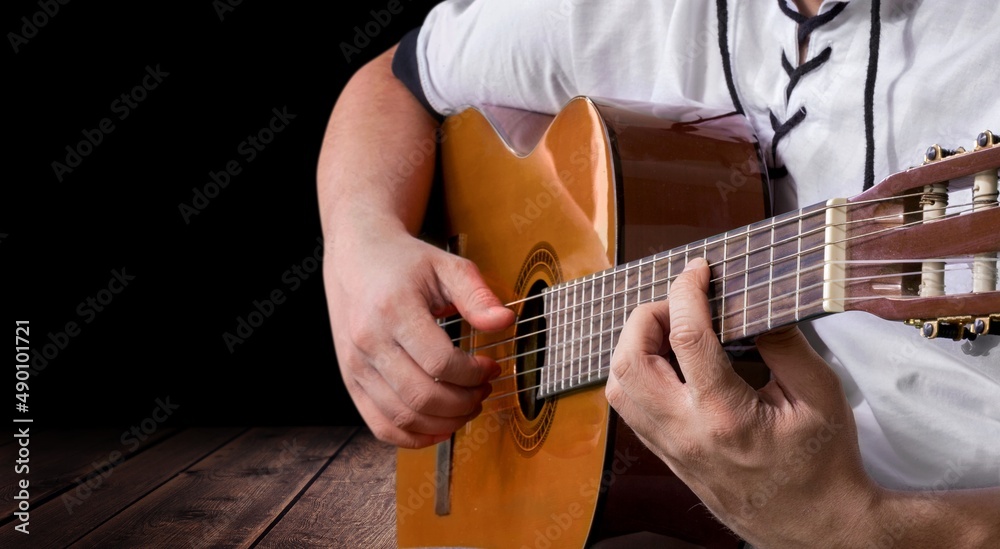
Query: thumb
point(463, 286)
point(797, 367)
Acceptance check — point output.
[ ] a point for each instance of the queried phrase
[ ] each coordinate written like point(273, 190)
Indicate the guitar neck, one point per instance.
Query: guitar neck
point(763, 276)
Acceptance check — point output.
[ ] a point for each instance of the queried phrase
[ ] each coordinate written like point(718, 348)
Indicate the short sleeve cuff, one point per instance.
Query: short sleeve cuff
point(406, 68)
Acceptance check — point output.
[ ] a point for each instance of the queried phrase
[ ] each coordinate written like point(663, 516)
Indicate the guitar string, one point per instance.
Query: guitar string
point(748, 234)
point(623, 269)
point(613, 330)
point(603, 369)
point(670, 280)
point(772, 299)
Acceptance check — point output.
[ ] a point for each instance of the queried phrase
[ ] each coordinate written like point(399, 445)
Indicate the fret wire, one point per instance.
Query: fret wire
point(590, 331)
point(625, 308)
point(798, 265)
point(638, 286)
point(572, 333)
point(567, 355)
point(560, 379)
point(746, 283)
point(579, 359)
point(614, 291)
point(725, 260)
point(548, 353)
point(770, 276)
point(601, 341)
point(670, 277)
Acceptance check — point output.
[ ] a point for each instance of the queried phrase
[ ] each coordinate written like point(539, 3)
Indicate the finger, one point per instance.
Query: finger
point(637, 369)
point(419, 391)
point(463, 286)
point(381, 427)
point(395, 414)
point(654, 432)
point(432, 349)
point(704, 364)
point(795, 366)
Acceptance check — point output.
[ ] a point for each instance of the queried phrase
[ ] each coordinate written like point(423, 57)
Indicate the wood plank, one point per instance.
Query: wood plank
point(57, 459)
point(229, 498)
point(351, 504)
point(64, 519)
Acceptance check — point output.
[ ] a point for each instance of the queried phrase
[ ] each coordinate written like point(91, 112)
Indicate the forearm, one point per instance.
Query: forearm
point(377, 160)
point(953, 518)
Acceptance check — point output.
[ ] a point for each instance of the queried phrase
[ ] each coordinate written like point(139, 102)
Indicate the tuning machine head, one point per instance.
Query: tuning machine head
point(986, 140)
point(957, 328)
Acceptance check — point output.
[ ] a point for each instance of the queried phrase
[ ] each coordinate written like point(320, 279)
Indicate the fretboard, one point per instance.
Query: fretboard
point(763, 276)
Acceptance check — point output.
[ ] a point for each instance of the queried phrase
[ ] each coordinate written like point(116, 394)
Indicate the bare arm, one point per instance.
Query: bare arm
point(376, 125)
point(384, 286)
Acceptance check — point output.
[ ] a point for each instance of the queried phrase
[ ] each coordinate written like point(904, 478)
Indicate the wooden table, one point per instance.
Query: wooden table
point(202, 487)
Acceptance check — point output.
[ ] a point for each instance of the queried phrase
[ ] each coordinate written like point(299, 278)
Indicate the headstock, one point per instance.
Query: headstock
point(911, 255)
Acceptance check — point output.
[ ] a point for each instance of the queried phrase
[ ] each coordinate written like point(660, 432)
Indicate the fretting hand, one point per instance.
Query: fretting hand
point(780, 466)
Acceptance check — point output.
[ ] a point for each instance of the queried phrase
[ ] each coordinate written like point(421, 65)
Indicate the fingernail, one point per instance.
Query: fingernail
point(440, 438)
point(497, 310)
point(694, 264)
point(494, 374)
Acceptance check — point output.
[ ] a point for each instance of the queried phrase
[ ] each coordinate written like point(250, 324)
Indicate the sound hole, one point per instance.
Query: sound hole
point(531, 352)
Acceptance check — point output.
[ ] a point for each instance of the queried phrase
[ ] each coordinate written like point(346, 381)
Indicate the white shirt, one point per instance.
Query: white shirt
point(928, 411)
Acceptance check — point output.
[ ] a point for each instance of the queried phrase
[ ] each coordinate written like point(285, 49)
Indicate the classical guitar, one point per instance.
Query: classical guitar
point(576, 220)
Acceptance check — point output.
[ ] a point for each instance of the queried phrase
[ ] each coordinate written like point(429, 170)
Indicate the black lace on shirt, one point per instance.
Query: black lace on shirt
point(806, 26)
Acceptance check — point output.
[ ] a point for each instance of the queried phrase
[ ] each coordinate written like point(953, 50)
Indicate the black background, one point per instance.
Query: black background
point(60, 241)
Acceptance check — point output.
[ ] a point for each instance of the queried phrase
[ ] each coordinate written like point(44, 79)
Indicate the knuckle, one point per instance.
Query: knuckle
point(684, 337)
point(689, 452)
point(436, 364)
point(621, 364)
point(615, 395)
point(404, 418)
point(417, 397)
point(383, 432)
point(480, 296)
point(360, 334)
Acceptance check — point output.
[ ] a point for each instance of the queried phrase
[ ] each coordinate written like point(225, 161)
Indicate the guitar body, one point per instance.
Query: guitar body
point(606, 183)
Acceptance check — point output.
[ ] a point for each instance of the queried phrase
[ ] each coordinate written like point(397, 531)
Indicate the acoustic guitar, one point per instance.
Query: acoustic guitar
point(576, 220)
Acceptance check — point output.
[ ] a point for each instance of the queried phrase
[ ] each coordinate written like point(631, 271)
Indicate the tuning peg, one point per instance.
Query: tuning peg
point(986, 140)
point(986, 325)
point(935, 329)
point(936, 152)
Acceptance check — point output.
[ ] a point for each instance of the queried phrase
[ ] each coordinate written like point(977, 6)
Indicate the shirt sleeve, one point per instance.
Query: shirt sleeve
point(538, 54)
point(404, 67)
